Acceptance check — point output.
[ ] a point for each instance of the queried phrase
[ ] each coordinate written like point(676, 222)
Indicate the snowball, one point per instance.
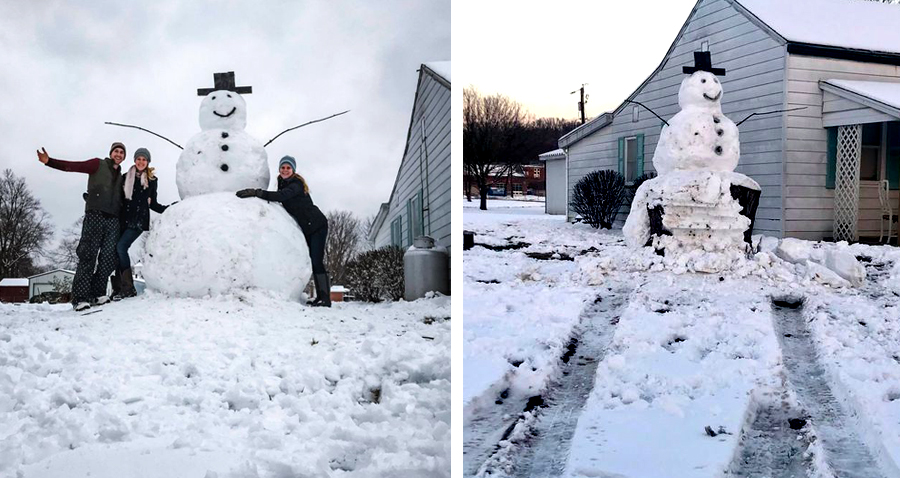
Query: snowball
point(844, 264)
point(702, 90)
point(793, 250)
point(223, 109)
point(219, 160)
point(218, 243)
point(692, 142)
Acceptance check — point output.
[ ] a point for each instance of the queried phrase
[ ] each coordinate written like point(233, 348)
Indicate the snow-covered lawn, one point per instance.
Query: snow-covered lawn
point(688, 351)
point(236, 386)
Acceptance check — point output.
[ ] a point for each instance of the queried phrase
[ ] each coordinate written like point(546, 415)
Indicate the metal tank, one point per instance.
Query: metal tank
point(426, 268)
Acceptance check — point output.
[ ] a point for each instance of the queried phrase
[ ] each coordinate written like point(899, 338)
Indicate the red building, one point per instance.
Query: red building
point(14, 290)
point(528, 179)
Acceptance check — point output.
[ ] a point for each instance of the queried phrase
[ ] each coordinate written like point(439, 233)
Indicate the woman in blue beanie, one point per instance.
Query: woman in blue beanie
point(293, 194)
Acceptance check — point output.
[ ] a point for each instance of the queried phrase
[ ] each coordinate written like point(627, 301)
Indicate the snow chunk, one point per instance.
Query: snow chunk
point(218, 243)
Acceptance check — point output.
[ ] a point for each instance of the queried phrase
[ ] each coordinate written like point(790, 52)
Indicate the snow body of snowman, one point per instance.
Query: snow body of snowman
point(695, 159)
point(212, 242)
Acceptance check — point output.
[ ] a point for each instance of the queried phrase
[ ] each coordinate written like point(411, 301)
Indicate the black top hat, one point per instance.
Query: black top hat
point(224, 81)
point(703, 62)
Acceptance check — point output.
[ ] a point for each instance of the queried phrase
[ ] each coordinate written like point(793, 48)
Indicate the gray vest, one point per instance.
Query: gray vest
point(104, 192)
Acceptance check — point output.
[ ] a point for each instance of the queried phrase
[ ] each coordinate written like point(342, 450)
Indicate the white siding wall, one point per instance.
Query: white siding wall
point(556, 186)
point(809, 206)
point(754, 82)
point(431, 108)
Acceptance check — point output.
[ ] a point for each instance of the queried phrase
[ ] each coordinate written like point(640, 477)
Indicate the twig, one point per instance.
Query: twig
point(142, 129)
point(648, 109)
point(304, 124)
point(768, 113)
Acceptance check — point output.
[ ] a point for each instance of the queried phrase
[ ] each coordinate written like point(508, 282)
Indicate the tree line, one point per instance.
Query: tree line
point(500, 135)
point(26, 236)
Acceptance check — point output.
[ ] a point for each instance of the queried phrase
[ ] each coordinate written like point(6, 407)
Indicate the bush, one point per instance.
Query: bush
point(377, 275)
point(598, 196)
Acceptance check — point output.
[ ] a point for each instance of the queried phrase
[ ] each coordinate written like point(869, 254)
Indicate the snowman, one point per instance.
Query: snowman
point(212, 242)
point(694, 193)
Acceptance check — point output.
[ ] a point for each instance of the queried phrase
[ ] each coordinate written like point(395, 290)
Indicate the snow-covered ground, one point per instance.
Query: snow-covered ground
point(688, 351)
point(240, 386)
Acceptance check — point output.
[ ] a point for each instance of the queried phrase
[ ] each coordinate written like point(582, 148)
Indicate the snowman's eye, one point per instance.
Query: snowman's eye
point(214, 98)
point(229, 96)
point(716, 80)
point(703, 80)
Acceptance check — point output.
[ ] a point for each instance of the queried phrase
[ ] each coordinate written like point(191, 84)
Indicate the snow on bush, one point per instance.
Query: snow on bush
point(377, 275)
point(598, 196)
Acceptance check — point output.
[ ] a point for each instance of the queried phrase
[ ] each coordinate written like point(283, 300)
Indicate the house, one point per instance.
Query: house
point(833, 65)
point(555, 177)
point(49, 281)
point(13, 290)
point(518, 180)
point(420, 199)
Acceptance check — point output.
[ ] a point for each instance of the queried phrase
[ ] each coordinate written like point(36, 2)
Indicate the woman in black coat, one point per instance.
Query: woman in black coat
point(139, 192)
point(293, 193)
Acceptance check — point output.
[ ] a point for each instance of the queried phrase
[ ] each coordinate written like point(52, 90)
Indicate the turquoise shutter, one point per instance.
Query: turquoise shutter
point(893, 155)
point(831, 158)
point(640, 156)
point(410, 207)
point(622, 156)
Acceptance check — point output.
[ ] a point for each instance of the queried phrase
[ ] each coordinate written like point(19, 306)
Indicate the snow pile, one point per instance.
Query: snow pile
point(216, 243)
point(239, 386)
point(833, 265)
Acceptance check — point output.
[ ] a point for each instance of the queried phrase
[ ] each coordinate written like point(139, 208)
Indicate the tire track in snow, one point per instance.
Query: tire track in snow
point(487, 426)
point(844, 450)
point(546, 448)
point(769, 447)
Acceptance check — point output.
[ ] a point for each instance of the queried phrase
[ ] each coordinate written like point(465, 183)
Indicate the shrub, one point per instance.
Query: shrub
point(598, 196)
point(377, 275)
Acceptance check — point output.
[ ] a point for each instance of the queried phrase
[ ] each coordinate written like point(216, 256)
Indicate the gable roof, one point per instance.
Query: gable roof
point(825, 32)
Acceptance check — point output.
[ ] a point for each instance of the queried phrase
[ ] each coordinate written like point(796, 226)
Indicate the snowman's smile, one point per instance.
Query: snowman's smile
point(716, 98)
point(235, 109)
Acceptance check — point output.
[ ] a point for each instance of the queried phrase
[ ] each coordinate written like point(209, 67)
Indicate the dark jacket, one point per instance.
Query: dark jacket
point(104, 183)
point(298, 204)
point(136, 212)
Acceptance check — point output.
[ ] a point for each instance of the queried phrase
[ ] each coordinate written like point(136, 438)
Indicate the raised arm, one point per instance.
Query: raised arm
point(157, 207)
point(88, 167)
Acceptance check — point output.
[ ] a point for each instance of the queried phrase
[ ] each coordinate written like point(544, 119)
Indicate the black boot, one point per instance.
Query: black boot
point(323, 291)
point(116, 282)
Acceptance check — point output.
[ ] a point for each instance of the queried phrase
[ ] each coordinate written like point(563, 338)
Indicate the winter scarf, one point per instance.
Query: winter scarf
point(146, 176)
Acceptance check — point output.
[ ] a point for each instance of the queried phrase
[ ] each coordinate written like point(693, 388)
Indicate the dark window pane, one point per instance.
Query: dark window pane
point(871, 134)
point(868, 165)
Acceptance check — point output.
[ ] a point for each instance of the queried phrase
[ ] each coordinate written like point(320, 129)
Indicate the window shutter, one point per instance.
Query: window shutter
point(410, 210)
point(622, 156)
point(831, 158)
point(640, 156)
point(893, 155)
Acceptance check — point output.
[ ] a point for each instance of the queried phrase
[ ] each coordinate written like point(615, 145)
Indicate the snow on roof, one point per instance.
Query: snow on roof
point(51, 272)
point(881, 91)
point(555, 154)
point(14, 283)
point(841, 23)
point(442, 68)
point(339, 288)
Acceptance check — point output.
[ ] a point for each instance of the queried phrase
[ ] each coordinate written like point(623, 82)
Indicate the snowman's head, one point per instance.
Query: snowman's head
point(701, 89)
point(223, 109)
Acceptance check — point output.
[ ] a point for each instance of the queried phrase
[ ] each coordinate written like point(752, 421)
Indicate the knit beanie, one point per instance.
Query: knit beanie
point(117, 145)
point(288, 160)
point(142, 152)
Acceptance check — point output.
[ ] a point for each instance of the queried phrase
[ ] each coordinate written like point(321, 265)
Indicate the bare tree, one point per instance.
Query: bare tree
point(64, 256)
point(343, 244)
point(24, 227)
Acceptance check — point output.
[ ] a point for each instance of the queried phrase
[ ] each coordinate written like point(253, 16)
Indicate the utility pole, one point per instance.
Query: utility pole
point(581, 103)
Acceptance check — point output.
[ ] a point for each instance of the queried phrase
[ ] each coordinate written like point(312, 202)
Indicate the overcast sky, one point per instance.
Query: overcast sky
point(537, 53)
point(66, 67)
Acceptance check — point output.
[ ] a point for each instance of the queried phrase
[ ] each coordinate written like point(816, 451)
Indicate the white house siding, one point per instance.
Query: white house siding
point(754, 82)
point(431, 108)
point(41, 283)
point(809, 205)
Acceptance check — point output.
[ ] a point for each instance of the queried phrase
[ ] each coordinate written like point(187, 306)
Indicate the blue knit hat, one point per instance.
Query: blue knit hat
point(288, 160)
point(142, 152)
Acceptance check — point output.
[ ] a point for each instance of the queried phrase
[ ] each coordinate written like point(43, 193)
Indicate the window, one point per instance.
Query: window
point(871, 151)
point(631, 157)
point(635, 114)
point(537, 173)
point(517, 189)
point(704, 45)
point(414, 217)
point(396, 232)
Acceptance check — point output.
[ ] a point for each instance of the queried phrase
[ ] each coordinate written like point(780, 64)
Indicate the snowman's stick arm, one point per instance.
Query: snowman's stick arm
point(304, 124)
point(768, 113)
point(142, 129)
point(648, 109)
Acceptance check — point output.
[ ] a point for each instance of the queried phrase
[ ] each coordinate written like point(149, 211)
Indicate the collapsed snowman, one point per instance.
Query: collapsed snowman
point(212, 242)
point(702, 228)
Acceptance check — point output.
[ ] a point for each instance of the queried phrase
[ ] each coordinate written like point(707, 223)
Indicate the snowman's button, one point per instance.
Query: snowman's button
point(716, 119)
point(224, 167)
point(224, 134)
point(719, 150)
point(224, 147)
point(719, 132)
point(696, 133)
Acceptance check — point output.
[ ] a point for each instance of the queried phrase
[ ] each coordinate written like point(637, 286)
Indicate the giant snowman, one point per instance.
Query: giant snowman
point(702, 228)
point(212, 242)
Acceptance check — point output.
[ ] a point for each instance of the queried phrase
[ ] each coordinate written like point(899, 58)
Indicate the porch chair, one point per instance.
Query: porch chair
point(887, 212)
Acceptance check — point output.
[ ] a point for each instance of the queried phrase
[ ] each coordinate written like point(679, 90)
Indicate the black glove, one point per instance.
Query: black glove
point(247, 193)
